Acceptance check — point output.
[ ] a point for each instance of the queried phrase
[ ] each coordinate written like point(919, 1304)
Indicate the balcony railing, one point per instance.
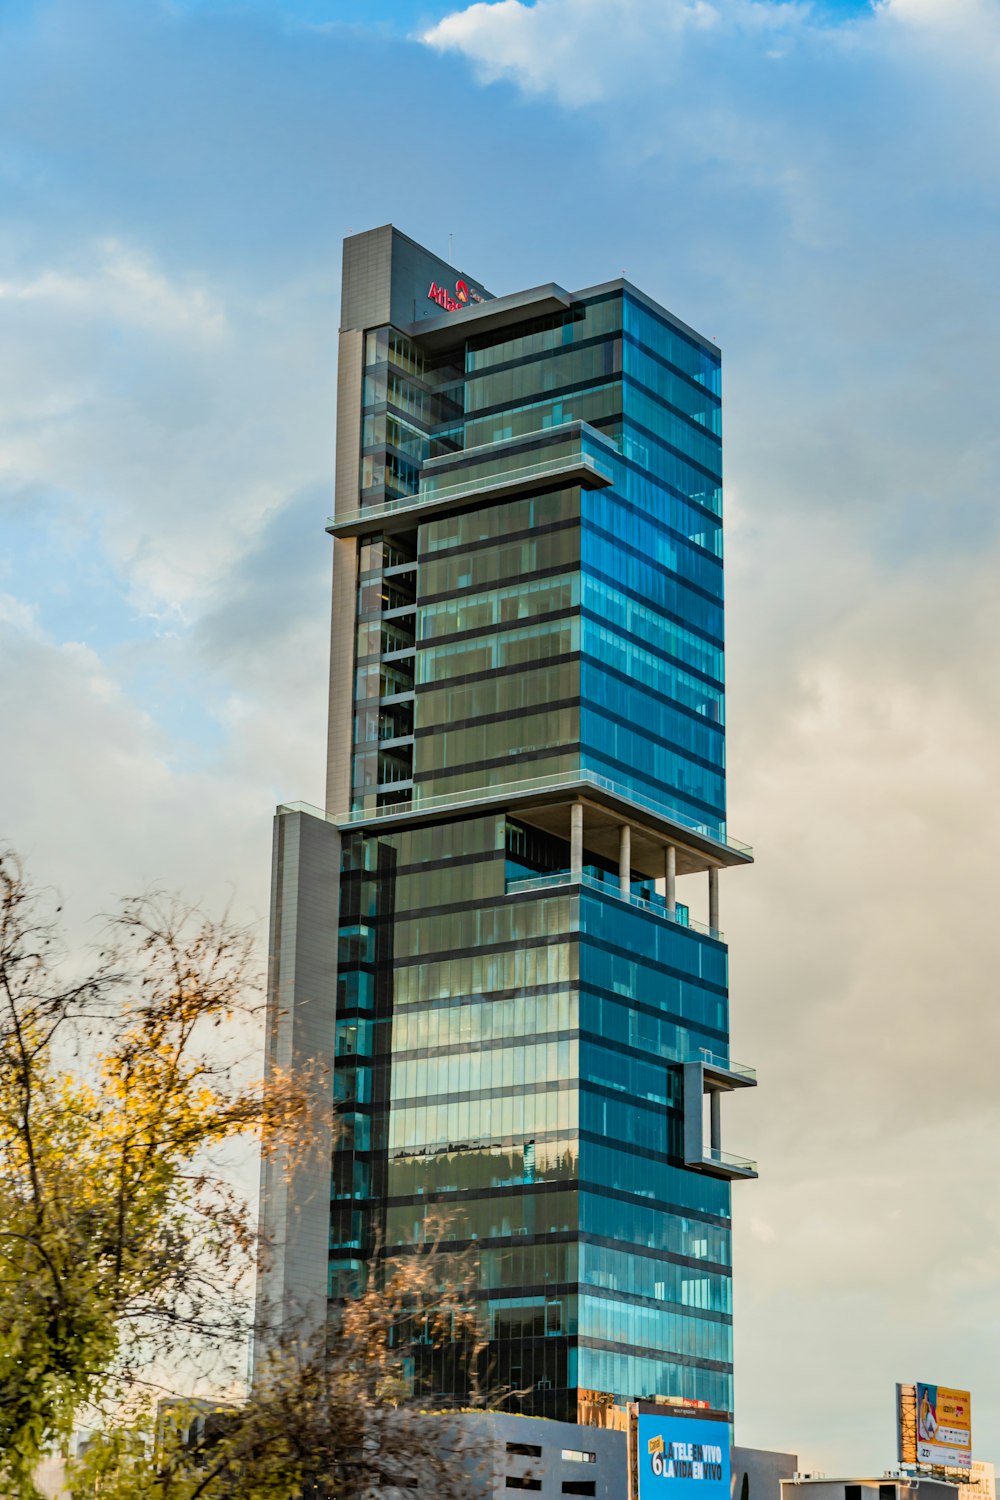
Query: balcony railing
point(560, 780)
point(486, 468)
point(741, 1164)
point(555, 878)
point(523, 475)
point(441, 494)
point(715, 1060)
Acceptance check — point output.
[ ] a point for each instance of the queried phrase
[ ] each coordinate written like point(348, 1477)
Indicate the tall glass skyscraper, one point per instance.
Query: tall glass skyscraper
point(527, 1033)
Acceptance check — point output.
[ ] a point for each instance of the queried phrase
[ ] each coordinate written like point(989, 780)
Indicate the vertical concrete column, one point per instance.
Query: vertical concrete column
point(576, 840)
point(713, 897)
point(342, 633)
point(715, 1111)
point(670, 876)
point(294, 1232)
point(625, 859)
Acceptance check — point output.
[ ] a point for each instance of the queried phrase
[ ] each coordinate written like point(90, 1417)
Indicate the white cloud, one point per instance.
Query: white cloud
point(17, 613)
point(947, 35)
point(119, 285)
point(569, 46)
point(944, 15)
point(96, 801)
point(584, 51)
point(116, 382)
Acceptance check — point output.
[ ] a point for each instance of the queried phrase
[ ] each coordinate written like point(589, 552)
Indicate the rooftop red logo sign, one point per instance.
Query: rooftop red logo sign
point(452, 301)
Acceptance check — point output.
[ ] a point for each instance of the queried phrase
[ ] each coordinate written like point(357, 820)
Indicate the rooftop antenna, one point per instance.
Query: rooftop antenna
point(451, 257)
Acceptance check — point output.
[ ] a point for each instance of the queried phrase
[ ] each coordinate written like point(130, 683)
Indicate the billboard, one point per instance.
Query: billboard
point(681, 1457)
point(944, 1427)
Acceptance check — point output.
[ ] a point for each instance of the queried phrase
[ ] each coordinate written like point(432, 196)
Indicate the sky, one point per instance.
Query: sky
point(814, 185)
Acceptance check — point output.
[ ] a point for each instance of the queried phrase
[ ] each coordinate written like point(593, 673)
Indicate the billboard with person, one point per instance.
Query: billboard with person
point(944, 1427)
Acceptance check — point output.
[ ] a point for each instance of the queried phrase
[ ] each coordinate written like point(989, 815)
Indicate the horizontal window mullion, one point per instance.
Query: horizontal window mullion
point(654, 1012)
point(648, 1252)
point(544, 685)
point(502, 627)
point(518, 362)
point(473, 1194)
point(699, 428)
point(664, 443)
point(597, 664)
point(716, 768)
point(669, 658)
point(541, 397)
point(551, 1185)
point(611, 386)
point(653, 964)
point(622, 546)
point(672, 489)
point(482, 543)
point(462, 680)
point(510, 580)
point(633, 1051)
point(388, 920)
point(494, 1044)
point(670, 1306)
point(675, 618)
point(608, 1091)
point(547, 752)
point(499, 1091)
point(664, 1206)
point(674, 369)
point(658, 523)
point(445, 862)
point(706, 359)
point(528, 991)
point(659, 1355)
point(475, 950)
point(538, 328)
point(501, 716)
point(489, 1242)
point(560, 591)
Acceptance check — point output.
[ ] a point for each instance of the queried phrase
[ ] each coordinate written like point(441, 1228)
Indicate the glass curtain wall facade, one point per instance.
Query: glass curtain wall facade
point(530, 1032)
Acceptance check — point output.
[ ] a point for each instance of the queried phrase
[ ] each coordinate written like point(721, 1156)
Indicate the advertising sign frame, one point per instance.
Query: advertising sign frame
point(934, 1425)
point(679, 1453)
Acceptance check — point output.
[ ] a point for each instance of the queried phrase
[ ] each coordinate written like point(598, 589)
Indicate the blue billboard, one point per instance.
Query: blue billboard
point(682, 1458)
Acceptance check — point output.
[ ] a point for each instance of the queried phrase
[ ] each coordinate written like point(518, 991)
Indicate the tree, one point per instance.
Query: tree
point(122, 1243)
point(337, 1422)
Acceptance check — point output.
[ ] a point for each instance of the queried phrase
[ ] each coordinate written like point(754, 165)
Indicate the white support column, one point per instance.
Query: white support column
point(625, 859)
point(576, 840)
point(670, 876)
point(713, 897)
